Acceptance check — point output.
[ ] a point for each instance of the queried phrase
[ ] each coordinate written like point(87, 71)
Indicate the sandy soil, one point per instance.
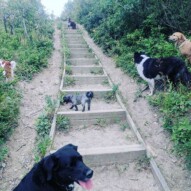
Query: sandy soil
point(129, 177)
point(95, 136)
point(89, 87)
point(21, 143)
point(148, 122)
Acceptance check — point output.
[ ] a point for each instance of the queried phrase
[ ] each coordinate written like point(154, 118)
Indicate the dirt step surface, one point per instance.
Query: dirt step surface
point(93, 136)
point(88, 87)
point(94, 117)
point(87, 70)
point(75, 55)
point(77, 45)
point(134, 176)
point(83, 62)
point(80, 50)
point(98, 93)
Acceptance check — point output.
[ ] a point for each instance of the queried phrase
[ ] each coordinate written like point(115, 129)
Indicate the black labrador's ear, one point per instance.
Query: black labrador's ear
point(71, 146)
point(50, 164)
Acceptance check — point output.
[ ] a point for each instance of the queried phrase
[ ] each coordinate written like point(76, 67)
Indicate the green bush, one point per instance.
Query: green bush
point(63, 123)
point(43, 127)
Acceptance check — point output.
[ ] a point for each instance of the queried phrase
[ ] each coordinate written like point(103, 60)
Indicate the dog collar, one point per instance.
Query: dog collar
point(181, 44)
point(69, 187)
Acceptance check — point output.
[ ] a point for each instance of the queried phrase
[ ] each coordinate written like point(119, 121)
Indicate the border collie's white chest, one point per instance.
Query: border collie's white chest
point(140, 68)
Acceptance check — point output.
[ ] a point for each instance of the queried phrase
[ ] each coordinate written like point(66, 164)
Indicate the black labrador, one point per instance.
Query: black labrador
point(58, 172)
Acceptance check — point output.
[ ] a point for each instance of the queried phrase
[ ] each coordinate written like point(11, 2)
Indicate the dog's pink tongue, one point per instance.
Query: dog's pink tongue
point(87, 185)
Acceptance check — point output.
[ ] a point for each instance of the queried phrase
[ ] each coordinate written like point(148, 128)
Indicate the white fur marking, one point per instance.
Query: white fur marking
point(140, 69)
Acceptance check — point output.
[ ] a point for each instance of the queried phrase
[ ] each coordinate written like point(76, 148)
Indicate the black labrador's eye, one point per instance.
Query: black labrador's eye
point(75, 160)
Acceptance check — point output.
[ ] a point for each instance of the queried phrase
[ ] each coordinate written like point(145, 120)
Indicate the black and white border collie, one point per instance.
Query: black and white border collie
point(151, 69)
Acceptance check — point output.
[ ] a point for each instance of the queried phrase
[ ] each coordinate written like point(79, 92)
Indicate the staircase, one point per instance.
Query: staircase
point(106, 136)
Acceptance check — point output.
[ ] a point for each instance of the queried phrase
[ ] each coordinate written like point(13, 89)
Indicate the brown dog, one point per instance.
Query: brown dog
point(182, 43)
point(8, 69)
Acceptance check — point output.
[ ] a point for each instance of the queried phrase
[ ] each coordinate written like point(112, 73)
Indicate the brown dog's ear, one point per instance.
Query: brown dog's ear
point(182, 37)
point(49, 165)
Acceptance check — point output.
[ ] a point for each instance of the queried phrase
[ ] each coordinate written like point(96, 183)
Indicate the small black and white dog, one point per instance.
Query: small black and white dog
point(79, 99)
point(151, 69)
point(58, 171)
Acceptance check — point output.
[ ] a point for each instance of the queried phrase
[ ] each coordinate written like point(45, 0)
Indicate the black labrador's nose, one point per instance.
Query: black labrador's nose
point(89, 173)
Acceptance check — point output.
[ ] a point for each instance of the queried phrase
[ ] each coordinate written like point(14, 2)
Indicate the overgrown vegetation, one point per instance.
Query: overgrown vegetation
point(9, 112)
point(68, 70)
point(111, 96)
point(26, 37)
point(123, 27)
point(63, 123)
point(43, 126)
point(97, 71)
point(69, 81)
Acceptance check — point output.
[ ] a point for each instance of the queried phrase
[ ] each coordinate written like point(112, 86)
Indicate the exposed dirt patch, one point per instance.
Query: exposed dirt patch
point(148, 122)
point(21, 143)
point(128, 177)
point(95, 136)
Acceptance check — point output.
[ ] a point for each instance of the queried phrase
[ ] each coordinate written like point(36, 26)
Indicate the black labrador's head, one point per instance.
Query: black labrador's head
point(65, 166)
point(90, 94)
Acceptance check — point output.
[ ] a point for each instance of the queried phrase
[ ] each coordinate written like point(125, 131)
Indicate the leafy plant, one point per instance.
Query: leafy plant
point(124, 126)
point(63, 123)
point(111, 96)
point(41, 148)
point(69, 81)
point(97, 71)
point(143, 163)
point(43, 126)
point(68, 70)
point(101, 122)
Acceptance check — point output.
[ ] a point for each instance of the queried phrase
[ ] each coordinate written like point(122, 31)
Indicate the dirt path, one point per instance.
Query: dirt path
point(157, 140)
point(21, 143)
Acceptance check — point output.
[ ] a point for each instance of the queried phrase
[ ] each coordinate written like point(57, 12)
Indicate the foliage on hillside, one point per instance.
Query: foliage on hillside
point(25, 36)
point(122, 27)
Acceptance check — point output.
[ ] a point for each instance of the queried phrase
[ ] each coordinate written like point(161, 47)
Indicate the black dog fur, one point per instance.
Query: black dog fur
point(57, 172)
point(79, 99)
point(158, 68)
point(73, 25)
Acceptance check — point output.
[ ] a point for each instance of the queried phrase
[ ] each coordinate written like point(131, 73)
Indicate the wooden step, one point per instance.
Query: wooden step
point(94, 70)
point(86, 79)
point(94, 117)
point(82, 61)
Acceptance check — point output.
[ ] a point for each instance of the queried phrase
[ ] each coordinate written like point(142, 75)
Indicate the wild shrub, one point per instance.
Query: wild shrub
point(9, 111)
point(68, 70)
point(63, 123)
point(43, 126)
point(69, 81)
point(27, 39)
